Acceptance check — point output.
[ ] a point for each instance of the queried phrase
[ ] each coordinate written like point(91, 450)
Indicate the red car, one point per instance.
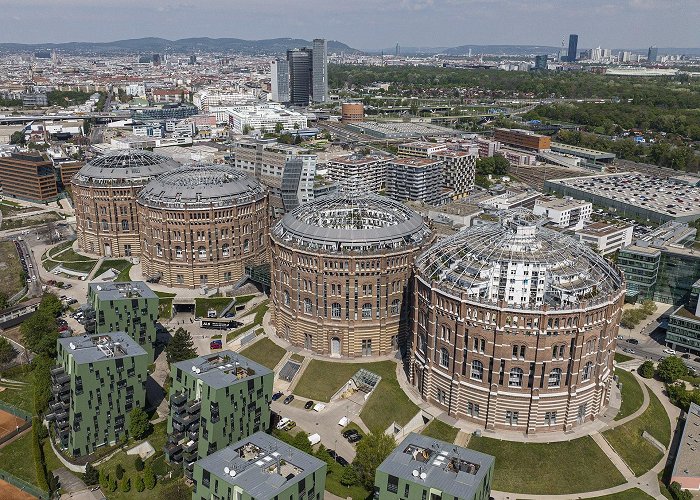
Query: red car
point(216, 344)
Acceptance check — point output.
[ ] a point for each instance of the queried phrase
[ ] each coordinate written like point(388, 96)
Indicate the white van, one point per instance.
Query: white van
point(282, 423)
point(314, 439)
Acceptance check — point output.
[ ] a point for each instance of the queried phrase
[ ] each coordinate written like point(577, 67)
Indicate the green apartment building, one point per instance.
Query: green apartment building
point(215, 400)
point(259, 467)
point(129, 307)
point(423, 468)
point(99, 380)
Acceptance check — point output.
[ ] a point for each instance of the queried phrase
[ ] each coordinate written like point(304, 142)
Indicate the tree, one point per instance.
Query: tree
point(138, 463)
point(322, 454)
point(4, 302)
point(18, 138)
point(371, 452)
point(7, 351)
point(671, 369)
point(40, 333)
point(648, 307)
point(104, 479)
point(139, 425)
point(349, 476)
point(246, 129)
point(112, 485)
point(139, 485)
point(125, 485)
point(678, 493)
point(51, 304)
point(301, 442)
point(278, 127)
point(180, 347)
point(91, 476)
point(120, 472)
point(646, 370)
point(149, 478)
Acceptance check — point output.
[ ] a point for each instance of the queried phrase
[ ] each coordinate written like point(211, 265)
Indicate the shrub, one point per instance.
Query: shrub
point(139, 485)
point(112, 485)
point(138, 463)
point(91, 476)
point(120, 472)
point(646, 370)
point(349, 476)
point(149, 478)
point(104, 479)
point(139, 425)
point(125, 485)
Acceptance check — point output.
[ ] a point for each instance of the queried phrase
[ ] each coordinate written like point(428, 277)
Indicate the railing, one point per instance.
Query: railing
point(23, 485)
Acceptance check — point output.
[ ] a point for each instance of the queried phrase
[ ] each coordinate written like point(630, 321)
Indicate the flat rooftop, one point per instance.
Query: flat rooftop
point(659, 195)
point(561, 203)
point(422, 145)
point(222, 369)
point(261, 465)
point(122, 290)
point(579, 151)
point(358, 159)
point(444, 466)
point(603, 229)
point(100, 347)
point(415, 162)
point(683, 312)
point(687, 463)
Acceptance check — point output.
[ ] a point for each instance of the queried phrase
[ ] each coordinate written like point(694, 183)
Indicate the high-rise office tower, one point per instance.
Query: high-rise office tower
point(652, 54)
point(573, 43)
point(541, 62)
point(319, 71)
point(300, 67)
point(279, 76)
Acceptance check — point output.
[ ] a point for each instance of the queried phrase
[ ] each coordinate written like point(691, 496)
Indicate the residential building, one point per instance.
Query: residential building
point(662, 265)
point(265, 117)
point(458, 171)
point(35, 100)
point(573, 47)
point(99, 380)
point(297, 184)
point(487, 148)
point(279, 80)
point(421, 149)
point(28, 176)
point(300, 76)
point(564, 212)
point(67, 170)
point(260, 467)
point(319, 71)
point(421, 467)
point(415, 179)
point(606, 238)
point(525, 139)
point(130, 307)
point(518, 158)
point(358, 172)
point(686, 468)
point(170, 95)
point(215, 400)
point(507, 200)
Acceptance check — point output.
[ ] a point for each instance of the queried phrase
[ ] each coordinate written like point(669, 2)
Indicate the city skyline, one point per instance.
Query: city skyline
point(365, 25)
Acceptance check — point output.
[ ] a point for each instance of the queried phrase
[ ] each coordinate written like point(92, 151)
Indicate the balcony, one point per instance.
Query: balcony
point(172, 449)
point(178, 399)
point(190, 446)
point(185, 419)
point(194, 406)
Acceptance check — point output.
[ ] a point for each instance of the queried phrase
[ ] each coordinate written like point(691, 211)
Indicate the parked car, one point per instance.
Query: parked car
point(354, 438)
point(282, 423)
point(349, 432)
point(332, 454)
point(290, 425)
point(288, 399)
point(216, 344)
point(309, 405)
point(277, 395)
point(685, 356)
point(341, 461)
point(669, 351)
point(633, 341)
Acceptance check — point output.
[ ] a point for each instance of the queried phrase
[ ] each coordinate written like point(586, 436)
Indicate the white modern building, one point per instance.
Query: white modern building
point(564, 212)
point(209, 98)
point(606, 238)
point(265, 116)
point(421, 149)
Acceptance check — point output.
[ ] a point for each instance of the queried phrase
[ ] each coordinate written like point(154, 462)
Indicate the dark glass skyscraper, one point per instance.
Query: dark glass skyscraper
point(573, 45)
point(653, 54)
point(300, 65)
point(320, 71)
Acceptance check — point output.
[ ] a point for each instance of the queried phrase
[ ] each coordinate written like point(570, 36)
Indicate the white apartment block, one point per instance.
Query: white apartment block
point(564, 212)
point(214, 98)
point(265, 117)
point(421, 149)
point(458, 171)
point(358, 173)
point(606, 238)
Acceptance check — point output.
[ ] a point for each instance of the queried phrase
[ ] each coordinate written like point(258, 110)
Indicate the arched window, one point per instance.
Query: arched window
point(125, 225)
point(588, 371)
point(286, 298)
point(477, 370)
point(105, 225)
point(335, 310)
point(159, 250)
point(307, 306)
point(202, 251)
point(516, 377)
point(444, 358)
point(554, 378)
point(246, 246)
point(225, 250)
point(366, 310)
point(178, 252)
point(395, 307)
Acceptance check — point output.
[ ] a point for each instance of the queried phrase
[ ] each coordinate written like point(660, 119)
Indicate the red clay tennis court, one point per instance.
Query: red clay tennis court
point(9, 492)
point(8, 423)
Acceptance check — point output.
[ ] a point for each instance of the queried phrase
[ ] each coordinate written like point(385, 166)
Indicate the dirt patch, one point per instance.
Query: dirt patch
point(9, 492)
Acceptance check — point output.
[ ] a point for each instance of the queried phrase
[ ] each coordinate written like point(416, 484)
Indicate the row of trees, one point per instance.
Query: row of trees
point(632, 317)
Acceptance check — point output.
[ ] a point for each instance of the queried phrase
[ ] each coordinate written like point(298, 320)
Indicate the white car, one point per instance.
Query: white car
point(669, 351)
point(282, 423)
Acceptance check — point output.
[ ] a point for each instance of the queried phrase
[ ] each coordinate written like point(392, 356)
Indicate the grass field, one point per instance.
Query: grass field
point(203, 305)
point(65, 256)
point(10, 269)
point(259, 312)
point(30, 220)
point(632, 395)
point(440, 430)
point(549, 468)
point(17, 459)
point(122, 267)
point(633, 494)
point(387, 404)
point(627, 440)
point(265, 352)
point(22, 398)
point(621, 358)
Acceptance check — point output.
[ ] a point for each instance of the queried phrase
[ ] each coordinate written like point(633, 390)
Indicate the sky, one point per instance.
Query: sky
point(362, 24)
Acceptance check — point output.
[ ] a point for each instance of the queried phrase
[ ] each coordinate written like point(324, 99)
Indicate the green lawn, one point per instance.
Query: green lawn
point(265, 352)
point(632, 395)
point(165, 304)
point(259, 312)
point(333, 485)
point(627, 440)
point(440, 430)
point(17, 459)
point(549, 468)
point(64, 255)
point(30, 220)
point(621, 358)
point(119, 265)
point(202, 305)
point(297, 357)
point(10, 269)
point(633, 494)
point(22, 398)
point(388, 403)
